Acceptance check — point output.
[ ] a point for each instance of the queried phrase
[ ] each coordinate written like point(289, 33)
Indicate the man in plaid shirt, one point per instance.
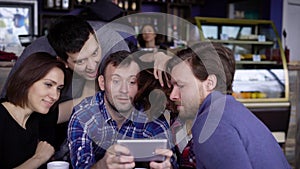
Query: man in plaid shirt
point(98, 121)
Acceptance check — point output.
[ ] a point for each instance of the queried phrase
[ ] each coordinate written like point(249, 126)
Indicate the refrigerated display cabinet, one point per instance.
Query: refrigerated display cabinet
point(261, 80)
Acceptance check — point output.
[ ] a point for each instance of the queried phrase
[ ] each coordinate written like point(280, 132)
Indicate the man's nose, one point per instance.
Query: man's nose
point(175, 94)
point(124, 87)
point(91, 64)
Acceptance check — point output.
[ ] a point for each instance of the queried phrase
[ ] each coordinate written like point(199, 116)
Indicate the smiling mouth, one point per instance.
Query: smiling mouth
point(92, 74)
point(48, 103)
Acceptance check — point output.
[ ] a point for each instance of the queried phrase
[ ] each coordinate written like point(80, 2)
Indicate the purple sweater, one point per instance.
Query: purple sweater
point(228, 136)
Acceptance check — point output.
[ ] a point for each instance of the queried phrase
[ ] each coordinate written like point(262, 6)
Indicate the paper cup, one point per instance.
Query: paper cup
point(58, 165)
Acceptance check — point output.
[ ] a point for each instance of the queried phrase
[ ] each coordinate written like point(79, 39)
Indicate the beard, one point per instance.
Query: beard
point(188, 113)
point(190, 109)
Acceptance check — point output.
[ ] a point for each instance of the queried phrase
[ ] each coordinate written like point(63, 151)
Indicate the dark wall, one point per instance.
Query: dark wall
point(276, 10)
point(267, 9)
point(213, 8)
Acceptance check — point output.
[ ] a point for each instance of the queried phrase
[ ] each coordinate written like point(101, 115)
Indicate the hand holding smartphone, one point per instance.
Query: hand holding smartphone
point(143, 150)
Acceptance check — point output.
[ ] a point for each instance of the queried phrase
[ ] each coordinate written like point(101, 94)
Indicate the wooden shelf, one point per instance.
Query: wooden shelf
point(257, 62)
point(273, 63)
point(246, 42)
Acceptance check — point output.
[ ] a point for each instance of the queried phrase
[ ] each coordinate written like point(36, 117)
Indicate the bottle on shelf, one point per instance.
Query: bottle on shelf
point(115, 2)
point(133, 5)
point(65, 4)
point(175, 33)
point(50, 3)
point(120, 4)
point(126, 5)
point(58, 3)
point(169, 32)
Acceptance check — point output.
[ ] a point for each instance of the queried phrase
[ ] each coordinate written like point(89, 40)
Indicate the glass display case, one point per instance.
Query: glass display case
point(261, 68)
point(261, 79)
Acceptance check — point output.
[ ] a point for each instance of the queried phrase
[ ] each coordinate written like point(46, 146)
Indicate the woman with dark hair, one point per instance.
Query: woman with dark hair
point(149, 37)
point(152, 97)
point(31, 91)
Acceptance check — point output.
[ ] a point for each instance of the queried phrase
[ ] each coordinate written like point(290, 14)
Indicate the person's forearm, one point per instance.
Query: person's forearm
point(65, 108)
point(65, 111)
point(33, 162)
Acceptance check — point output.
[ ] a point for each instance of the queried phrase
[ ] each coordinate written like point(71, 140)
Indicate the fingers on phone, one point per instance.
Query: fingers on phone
point(123, 154)
point(165, 152)
point(124, 159)
point(121, 150)
point(164, 164)
point(121, 162)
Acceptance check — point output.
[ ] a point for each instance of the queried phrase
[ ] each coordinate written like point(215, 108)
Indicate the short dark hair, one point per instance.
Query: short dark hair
point(207, 58)
point(118, 58)
point(68, 34)
point(32, 69)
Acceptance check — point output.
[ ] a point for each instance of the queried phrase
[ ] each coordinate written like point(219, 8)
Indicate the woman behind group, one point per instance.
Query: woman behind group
point(32, 90)
point(149, 38)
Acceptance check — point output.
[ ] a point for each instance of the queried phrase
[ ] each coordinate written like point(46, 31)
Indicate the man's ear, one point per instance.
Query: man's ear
point(211, 82)
point(101, 82)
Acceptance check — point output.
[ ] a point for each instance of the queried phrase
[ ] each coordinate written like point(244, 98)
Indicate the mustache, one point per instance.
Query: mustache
point(123, 96)
point(177, 103)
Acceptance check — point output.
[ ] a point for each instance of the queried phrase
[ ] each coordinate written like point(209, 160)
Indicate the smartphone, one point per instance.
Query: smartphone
point(143, 150)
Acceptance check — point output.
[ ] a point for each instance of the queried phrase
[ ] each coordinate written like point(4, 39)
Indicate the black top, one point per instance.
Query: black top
point(111, 41)
point(16, 143)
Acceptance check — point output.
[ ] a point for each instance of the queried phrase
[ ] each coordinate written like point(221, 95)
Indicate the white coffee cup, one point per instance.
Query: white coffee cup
point(58, 165)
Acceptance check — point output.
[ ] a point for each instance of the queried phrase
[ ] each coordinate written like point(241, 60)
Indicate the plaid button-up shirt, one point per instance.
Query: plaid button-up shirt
point(92, 131)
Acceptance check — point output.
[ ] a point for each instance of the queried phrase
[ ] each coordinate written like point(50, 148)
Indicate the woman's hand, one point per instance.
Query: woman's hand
point(44, 151)
point(160, 60)
point(165, 164)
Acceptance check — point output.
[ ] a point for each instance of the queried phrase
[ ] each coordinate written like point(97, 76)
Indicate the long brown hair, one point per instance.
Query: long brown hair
point(33, 68)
